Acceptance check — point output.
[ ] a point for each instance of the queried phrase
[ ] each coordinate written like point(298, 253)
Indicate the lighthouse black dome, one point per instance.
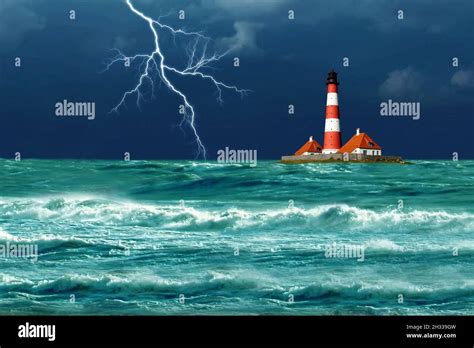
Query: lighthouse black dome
point(332, 78)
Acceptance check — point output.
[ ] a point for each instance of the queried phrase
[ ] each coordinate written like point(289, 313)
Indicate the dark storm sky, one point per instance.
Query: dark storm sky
point(282, 61)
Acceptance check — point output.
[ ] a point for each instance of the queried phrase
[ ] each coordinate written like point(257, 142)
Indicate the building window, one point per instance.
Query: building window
point(371, 144)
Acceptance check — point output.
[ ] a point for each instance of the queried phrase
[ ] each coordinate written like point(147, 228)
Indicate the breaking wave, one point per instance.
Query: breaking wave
point(215, 283)
point(173, 216)
point(130, 285)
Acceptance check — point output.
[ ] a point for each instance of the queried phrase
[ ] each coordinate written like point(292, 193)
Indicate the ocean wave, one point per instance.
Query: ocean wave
point(383, 290)
point(5, 236)
point(50, 242)
point(305, 250)
point(324, 169)
point(106, 211)
point(237, 285)
point(134, 284)
point(385, 246)
point(382, 245)
point(134, 165)
point(217, 165)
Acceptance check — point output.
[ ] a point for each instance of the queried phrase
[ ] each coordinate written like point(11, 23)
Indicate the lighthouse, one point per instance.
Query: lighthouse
point(332, 130)
point(360, 148)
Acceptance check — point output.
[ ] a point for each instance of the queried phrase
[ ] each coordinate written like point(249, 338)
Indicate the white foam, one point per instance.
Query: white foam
point(94, 209)
point(383, 244)
point(4, 235)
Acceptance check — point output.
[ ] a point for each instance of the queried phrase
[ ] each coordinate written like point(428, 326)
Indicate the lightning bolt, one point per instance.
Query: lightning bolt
point(154, 66)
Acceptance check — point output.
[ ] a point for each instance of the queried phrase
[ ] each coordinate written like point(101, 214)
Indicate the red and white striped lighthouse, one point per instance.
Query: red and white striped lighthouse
point(332, 130)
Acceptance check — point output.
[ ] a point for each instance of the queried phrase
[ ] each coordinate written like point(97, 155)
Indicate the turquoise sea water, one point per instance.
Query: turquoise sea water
point(132, 237)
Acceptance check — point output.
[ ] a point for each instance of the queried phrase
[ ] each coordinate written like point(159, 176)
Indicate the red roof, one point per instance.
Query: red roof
point(311, 146)
point(361, 140)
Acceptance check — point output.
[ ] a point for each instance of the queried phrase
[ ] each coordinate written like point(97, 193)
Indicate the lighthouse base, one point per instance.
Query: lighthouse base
point(339, 157)
point(329, 151)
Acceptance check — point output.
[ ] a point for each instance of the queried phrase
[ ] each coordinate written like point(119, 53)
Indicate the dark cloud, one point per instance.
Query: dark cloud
point(245, 39)
point(463, 78)
point(17, 19)
point(405, 82)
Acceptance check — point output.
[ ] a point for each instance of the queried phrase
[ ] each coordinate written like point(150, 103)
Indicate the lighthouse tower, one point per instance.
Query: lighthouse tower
point(332, 131)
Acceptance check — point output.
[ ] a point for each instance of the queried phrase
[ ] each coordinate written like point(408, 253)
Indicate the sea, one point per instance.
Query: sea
point(82, 237)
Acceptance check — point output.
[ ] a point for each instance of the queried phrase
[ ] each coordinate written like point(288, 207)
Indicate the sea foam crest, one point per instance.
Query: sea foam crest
point(89, 209)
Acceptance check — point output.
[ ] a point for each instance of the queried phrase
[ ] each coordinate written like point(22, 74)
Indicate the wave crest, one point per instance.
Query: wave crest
point(173, 216)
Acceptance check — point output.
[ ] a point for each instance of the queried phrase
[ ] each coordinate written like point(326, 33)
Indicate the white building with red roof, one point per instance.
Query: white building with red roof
point(310, 148)
point(361, 144)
